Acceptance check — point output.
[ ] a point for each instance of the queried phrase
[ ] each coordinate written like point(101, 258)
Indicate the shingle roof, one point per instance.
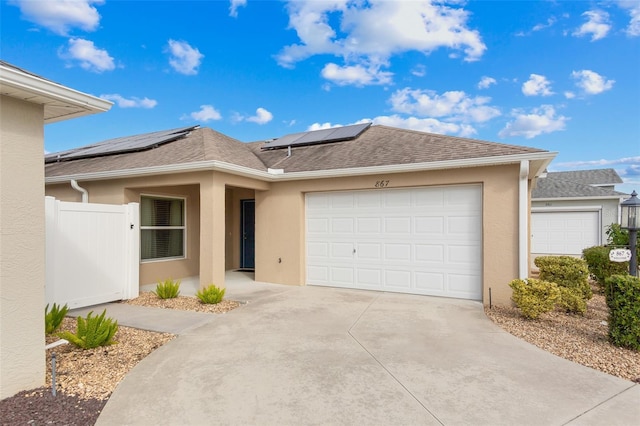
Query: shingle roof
point(577, 184)
point(202, 144)
point(382, 145)
point(589, 177)
point(377, 146)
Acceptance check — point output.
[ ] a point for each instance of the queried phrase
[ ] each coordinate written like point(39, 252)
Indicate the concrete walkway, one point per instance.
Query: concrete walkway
point(318, 356)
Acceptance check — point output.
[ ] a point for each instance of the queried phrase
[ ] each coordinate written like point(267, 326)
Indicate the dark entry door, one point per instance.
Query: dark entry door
point(248, 243)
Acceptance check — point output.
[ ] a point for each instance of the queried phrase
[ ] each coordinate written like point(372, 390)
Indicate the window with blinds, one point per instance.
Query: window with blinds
point(162, 227)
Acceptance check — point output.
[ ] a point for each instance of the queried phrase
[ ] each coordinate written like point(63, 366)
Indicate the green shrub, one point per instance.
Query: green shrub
point(600, 267)
point(211, 294)
point(623, 300)
point(53, 318)
point(534, 297)
point(167, 289)
point(571, 300)
point(617, 236)
point(566, 271)
point(92, 331)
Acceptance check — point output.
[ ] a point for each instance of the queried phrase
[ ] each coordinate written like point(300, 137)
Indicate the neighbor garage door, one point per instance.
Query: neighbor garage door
point(418, 240)
point(564, 233)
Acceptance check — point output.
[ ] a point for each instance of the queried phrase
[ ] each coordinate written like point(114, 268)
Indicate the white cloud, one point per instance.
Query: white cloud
point(485, 82)
point(206, 113)
point(356, 75)
point(597, 25)
point(419, 70)
point(591, 82)
point(633, 6)
point(351, 29)
point(547, 24)
point(569, 95)
point(633, 161)
point(234, 5)
point(133, 102)
point(429, 125)
point(88, 55)
point(538, 121)
point(452, 105)
point(537, 85)
point(60, 16)
point(262, 116)
point(184, 58)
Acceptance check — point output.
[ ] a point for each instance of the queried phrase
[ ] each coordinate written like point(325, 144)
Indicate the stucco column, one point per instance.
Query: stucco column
point(22, 248)
point(212, 231)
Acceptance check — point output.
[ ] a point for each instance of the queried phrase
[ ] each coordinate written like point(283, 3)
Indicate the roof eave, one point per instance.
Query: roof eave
point(30, 88)
point(539, 157)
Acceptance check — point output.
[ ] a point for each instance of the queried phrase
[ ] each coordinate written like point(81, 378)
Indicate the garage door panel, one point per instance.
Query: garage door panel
point(318, 250)
point(429, 225)
point(369, 251)
point(369, 225)
point(399, 240)
point(397, 252)
point(397, 279)
point(342, 251)
point(341, 275)
point(368, 200)
point(397, 225)
point(319, 226)
point(370, 277)
point(430, 281)
point(430, 253)
point(318, 274)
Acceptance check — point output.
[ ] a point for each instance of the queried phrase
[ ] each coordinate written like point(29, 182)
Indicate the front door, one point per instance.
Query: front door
point(248, 243)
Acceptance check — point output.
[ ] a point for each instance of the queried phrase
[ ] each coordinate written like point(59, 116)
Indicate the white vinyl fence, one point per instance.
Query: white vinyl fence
point(92, 252)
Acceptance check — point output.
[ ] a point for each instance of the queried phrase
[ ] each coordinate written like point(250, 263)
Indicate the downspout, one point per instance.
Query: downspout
point(523, 212)
point(85, 193)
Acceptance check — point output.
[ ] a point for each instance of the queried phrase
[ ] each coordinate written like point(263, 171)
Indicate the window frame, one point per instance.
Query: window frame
point(164, 228)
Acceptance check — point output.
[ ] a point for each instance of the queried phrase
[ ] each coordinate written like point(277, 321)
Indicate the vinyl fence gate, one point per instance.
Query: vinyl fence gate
point(92, 252)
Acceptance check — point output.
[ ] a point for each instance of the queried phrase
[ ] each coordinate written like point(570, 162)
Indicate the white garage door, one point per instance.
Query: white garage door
point(565, 233)
point(419, 240)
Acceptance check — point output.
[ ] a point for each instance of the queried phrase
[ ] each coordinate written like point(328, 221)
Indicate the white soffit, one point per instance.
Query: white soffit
point(60, 102)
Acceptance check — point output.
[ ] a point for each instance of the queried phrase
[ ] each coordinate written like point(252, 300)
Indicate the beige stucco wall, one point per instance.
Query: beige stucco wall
point(22, 250)
point(280, 223)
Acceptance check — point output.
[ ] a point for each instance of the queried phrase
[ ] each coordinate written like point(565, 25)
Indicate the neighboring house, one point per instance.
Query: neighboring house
point(367, 207)
point(27, 101)
point(572, 210)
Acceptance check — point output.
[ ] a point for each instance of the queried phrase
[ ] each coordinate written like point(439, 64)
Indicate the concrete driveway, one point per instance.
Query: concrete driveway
point(320, 356)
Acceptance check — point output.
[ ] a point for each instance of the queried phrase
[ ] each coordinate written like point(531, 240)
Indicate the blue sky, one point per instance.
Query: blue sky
point(556, 75)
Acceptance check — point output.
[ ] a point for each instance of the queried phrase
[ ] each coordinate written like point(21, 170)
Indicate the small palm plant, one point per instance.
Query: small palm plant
point(168, 289)
point(92, 331)
point(211, 294)
point(53, 318)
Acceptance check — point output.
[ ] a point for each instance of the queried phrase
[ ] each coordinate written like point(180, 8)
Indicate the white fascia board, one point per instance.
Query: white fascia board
point(418, 167)
point(31, 84)
point(317, 174)
point(603, 197)
point(566, 209)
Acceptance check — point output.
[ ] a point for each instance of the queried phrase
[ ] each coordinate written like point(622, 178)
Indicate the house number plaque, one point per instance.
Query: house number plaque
point(381, 183)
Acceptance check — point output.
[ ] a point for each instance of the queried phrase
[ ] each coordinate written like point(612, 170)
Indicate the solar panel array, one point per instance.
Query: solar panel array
point(121, 145)
point(316, 137)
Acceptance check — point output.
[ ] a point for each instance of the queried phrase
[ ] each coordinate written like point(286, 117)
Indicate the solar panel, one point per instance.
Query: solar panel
point(120, 145)
point(315, 137)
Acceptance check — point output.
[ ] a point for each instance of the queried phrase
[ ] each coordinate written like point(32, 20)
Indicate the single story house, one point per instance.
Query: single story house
point(361, 206)
point(572, 210)
point(27, 103)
